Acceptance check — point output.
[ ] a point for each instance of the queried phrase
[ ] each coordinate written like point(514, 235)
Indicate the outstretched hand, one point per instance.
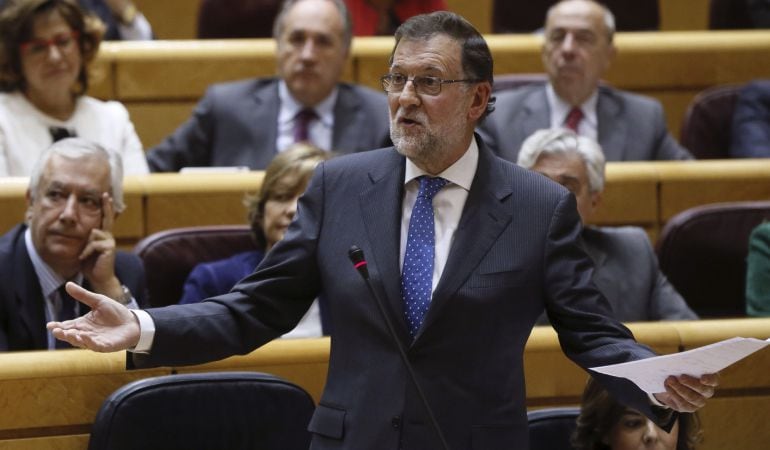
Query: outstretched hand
point(109, 326)
point(686, 393)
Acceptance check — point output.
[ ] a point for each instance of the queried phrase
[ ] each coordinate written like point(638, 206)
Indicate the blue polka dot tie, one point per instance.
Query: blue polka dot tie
point(417, 273)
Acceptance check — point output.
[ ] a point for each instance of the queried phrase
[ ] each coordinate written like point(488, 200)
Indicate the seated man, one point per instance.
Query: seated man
point(750, 135)
point(74, 195)
point(758, 272)
point(577, 51)
point(246, 123)
point(626, 270)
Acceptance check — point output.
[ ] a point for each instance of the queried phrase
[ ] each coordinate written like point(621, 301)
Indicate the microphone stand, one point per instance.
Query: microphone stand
point(356, 256)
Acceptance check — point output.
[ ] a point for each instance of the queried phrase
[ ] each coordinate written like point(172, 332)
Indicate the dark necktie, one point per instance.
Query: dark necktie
point(59, 133)
point(417, 273)
point(573, 119)
point(302, 124)
point(66, 312)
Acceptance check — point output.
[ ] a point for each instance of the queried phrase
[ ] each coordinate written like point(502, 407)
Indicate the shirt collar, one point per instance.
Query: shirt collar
point(49, 279)
point(460, 173)
point(561, 108)
point(290, 106)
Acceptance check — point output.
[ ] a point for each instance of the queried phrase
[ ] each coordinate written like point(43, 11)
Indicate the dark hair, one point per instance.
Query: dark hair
point(16, 21)
point(300, 159)
point(599, 413)
point(476, 57)
point(339, 4)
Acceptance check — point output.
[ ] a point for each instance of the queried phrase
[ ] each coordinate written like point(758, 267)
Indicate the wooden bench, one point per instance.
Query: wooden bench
point(177, 19)
point(161, 81)
point(51, 398)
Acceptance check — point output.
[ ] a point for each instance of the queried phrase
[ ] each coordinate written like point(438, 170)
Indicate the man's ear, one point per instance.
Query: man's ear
point(482, 92)
point(28, 212)
point(596, 201)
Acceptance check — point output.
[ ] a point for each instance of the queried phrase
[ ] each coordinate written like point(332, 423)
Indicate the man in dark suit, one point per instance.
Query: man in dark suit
point(245, 123)
point(73, 198)
point(626, 268)
point(481, 261)
point(750, 135)
point(577, 51)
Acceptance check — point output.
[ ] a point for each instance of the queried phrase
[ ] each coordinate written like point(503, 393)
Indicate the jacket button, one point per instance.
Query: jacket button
point(395, 422)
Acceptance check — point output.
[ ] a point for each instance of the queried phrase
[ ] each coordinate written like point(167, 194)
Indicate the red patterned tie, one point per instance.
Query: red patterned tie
point(573, 119)
point(302, 124)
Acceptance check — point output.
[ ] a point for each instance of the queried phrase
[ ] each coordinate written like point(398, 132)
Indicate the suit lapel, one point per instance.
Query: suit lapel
point(484, 217)
point(346, 133)
point(28, 295)
point(381, 211)
point(612, 130)
point(264, 119)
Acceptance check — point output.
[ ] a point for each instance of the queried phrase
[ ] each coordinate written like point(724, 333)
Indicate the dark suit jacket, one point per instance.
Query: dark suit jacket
point(630, 127)
point(514, 253)
point(236, 124)
point(22, 307)
point(751, 122)
point(628, 275)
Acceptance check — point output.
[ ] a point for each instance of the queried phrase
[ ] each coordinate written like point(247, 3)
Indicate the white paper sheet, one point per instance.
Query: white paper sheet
point(649, 374)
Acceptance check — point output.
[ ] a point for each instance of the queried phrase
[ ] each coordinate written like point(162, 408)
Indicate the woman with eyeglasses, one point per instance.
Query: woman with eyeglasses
point(46, 47)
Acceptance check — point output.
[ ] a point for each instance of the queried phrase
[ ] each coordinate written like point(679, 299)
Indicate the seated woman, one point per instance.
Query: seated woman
point(270, 212)
point(758, 272)
point(46, 48)
point(604, 424)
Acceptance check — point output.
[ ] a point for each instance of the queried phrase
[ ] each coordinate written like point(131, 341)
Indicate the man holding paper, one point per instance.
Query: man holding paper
point(465, 249)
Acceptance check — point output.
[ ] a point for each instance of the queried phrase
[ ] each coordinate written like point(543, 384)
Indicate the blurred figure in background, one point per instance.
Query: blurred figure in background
point(626, 268)
point(750, 135)
point(270, 212)
point(758, 272)
point(382, 17)
point(47, 47)
point(605, 424)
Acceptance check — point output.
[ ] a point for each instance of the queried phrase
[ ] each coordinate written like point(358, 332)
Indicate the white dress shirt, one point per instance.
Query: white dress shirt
point(319, 131)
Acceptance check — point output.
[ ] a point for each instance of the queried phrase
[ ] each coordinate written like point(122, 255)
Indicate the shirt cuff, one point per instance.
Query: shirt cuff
point(146, 332)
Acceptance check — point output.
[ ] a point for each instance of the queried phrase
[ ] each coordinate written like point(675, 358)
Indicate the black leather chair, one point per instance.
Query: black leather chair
point(517, 80)
point(216, 410)
point(222, 19)
point(708, 122)
point(703, 252)
point(551, 428)
point(729, 14)
point(170, 255)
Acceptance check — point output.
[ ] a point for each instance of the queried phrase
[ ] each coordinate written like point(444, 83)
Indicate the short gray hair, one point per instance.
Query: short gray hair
point(609, 18)
point(347, 22)
point(561, 141)
point(77, 148)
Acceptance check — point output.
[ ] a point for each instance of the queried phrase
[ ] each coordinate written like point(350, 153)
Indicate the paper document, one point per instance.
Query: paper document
point(649, 374)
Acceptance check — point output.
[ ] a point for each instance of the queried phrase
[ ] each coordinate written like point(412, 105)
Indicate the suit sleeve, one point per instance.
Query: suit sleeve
point(667, 147)
point(665, 301)
point(582, 316)
point(758, 272)
point(750, 136)
point(263, 306)
point(190, 145)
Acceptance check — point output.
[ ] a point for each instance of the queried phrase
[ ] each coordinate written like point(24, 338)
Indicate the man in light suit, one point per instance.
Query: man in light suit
point(75, 193)
point(577, 50)
point(246, 123)
point(501, 245)
point(627, 271)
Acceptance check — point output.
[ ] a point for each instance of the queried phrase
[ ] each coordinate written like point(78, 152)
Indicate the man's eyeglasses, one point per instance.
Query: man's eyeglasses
point(65, 42)
point(394, 83)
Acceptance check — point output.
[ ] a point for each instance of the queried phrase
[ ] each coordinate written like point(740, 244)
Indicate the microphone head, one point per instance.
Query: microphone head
point(356, 256)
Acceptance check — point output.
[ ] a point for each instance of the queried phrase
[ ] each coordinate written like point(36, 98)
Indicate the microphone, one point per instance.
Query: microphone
point(356, 256)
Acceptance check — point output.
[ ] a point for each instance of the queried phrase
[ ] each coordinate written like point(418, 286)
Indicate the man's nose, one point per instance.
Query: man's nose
point(309, 50)
point(568, 44)
point(69, 212)
point(408, 95)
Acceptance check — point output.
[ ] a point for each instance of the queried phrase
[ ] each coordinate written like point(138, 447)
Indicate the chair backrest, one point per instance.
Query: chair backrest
point(170, 255)
point(703, 252)
point(526, 17)
point(708, 122)
point(551, 428)
point(215, 410)
point(517, 80)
